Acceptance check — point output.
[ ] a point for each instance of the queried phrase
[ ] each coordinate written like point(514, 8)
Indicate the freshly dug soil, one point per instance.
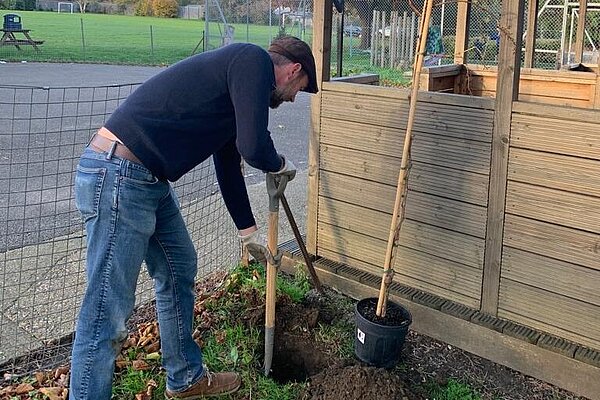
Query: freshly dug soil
point(424, 361)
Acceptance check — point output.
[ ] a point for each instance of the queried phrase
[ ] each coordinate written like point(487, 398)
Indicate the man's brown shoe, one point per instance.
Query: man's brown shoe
point(212, 384)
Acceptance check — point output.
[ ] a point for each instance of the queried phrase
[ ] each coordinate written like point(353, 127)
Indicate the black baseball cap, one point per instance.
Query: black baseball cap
point(297, 51)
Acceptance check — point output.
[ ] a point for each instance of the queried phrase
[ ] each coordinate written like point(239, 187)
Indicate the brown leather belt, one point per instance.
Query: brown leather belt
point(120, 150)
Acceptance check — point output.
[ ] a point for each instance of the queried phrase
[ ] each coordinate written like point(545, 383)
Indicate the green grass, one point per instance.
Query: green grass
point(120, 39)
point(453, 390)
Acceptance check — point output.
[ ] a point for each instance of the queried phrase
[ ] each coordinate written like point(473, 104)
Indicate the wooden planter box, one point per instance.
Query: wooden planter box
point(562, 88)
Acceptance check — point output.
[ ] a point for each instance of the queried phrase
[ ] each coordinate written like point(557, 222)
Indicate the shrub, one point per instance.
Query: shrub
point(165, 8)
point(25, 5)
point(143, 8)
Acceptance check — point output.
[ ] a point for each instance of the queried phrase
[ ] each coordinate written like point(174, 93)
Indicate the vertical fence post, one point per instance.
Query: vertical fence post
point(413, 23)
point(374, 37)
point(82, 39)
point(405, 39)
point(151, 43)
point(382, 65)
point(393, 37)
point(507, 91)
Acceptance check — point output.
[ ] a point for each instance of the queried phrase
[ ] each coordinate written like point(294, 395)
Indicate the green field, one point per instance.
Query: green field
point(119, 39)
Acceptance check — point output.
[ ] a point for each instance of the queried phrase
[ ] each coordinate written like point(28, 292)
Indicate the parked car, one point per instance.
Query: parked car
point(352, 30)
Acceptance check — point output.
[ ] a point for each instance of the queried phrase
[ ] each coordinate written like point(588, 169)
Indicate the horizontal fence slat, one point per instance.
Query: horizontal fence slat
point(555, 171)
point(576, 115)
point(375, 111)
point(439, 242)
point(560, 315)
point(444, 213)
point(554, 241)
point(552, 275)
point(457, 185)
point(369, 138)
point(435, 119)
point(554, 206)
point(453, 153)
point(449, 279)
point(357, 191)
point(553, 135)
point(345, 89)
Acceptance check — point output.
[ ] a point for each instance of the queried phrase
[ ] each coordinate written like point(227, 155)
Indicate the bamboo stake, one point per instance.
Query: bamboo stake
point(402, 187)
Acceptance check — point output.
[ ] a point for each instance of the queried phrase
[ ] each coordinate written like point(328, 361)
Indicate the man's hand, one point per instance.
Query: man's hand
point(287, 168)
point(256, 249)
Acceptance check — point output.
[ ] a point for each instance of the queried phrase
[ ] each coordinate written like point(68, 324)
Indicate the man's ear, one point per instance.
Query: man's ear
point(295, 68)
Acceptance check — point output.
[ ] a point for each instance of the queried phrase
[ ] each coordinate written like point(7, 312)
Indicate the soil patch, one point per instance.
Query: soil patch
point(299, 357)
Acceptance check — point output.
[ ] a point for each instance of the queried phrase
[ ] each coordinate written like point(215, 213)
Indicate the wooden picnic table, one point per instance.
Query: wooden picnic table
point(9, 38)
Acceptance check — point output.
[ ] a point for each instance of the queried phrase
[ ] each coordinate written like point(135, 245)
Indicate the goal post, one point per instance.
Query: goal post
point(67, 5)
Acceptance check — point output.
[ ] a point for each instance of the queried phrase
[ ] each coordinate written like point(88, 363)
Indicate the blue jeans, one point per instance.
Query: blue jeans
point(131, 216)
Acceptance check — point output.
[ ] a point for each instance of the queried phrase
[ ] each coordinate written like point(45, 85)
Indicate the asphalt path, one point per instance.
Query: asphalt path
point(69, 86)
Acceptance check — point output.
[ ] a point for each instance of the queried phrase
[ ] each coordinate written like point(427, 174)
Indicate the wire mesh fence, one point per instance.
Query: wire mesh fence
point(42, 241)
point(381, 36)
point(368, 35)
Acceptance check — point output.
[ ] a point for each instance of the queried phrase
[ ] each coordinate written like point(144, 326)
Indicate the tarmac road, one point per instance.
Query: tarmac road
point(289, 125)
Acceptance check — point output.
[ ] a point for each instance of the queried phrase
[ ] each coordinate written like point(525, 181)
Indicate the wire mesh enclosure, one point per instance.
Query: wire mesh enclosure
point(380, 36)
point(42, 241)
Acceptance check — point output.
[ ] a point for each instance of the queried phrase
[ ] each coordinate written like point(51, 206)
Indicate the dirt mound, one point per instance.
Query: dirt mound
point(355, 382)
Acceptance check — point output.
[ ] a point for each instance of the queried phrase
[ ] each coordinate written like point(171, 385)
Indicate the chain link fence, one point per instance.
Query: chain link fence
point(42, 241)
point(369, 36)
point(381, 36)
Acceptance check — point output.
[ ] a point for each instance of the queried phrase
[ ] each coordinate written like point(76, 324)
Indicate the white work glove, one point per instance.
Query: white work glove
point(288, 168)
point(255, 247)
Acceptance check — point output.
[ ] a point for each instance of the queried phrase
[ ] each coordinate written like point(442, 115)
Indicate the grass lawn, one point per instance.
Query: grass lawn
point(120, 39)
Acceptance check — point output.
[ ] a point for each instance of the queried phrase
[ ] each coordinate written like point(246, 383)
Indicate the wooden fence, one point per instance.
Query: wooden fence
point(545, 279)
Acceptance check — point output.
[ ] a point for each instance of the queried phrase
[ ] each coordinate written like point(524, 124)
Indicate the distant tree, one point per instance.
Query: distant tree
point(82, 5)
point(164, 8)
point(143, 8)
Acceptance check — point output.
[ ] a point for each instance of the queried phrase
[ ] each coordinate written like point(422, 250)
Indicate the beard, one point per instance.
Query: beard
point(276, 98)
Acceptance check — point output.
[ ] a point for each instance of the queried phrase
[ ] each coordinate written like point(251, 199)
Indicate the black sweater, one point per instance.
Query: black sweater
point(215, 103)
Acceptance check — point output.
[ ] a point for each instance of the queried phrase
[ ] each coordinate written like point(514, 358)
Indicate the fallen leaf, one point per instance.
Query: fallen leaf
point(220, 337)
point(121, 364)
point(40, 377)
point(61, 371)
point(7, 390)
point(152, 348)
point(63, 380)
point(54, 393)
point(140, 365)
point(153, 356)
point(23, 388)
point(150, 386)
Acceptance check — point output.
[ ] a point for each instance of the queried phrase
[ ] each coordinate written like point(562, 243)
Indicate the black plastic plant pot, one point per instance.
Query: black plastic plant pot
point(379, 341)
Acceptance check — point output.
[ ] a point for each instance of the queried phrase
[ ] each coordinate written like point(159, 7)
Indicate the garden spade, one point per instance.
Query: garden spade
point(275, 187)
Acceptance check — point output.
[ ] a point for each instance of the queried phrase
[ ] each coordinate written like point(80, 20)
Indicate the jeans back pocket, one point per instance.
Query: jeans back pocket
point(88, 188)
